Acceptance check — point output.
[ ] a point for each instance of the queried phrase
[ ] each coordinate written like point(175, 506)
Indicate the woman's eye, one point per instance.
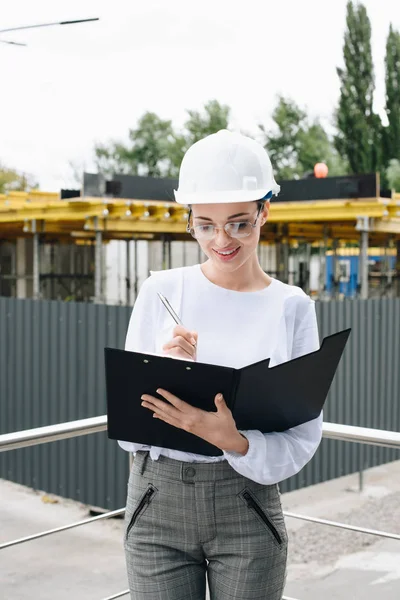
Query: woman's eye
point(237, 226)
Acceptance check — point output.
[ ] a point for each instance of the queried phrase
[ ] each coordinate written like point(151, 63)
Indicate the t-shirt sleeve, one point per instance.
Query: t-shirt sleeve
point(140, 336)
point(273, 457)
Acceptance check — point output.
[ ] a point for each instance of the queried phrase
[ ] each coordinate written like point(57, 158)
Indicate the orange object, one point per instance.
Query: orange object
point(320, 170)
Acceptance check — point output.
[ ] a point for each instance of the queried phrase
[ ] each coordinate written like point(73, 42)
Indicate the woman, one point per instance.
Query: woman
point(190, 514)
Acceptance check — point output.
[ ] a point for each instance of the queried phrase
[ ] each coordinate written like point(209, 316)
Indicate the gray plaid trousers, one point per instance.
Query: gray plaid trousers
point(185, 519)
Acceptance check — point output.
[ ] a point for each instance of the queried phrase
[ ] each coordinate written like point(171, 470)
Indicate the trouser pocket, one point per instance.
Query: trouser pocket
point(141, 507)
point(252, 503)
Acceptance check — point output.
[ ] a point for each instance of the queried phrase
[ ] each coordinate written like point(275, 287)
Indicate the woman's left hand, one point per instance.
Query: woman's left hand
point(217, 428)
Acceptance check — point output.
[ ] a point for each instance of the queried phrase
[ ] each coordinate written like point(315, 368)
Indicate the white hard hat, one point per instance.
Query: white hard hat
point(225, 167)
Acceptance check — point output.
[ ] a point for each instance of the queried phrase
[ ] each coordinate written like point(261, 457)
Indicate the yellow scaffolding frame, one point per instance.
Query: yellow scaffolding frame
point(76, 219)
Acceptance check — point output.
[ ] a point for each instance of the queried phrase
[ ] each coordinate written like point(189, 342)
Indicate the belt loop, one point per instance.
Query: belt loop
point(144, 460)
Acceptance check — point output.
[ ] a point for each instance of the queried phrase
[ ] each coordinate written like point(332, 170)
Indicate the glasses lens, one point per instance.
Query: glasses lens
point(203, 232)
point(238, 230)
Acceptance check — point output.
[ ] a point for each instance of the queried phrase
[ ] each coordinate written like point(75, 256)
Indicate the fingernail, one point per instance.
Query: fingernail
point(193, 342)
point(219, 397)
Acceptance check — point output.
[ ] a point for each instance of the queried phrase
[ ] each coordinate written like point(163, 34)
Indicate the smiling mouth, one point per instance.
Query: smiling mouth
point(227, 254)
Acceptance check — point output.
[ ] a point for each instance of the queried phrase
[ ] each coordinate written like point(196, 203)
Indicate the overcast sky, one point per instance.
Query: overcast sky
point(72, 86)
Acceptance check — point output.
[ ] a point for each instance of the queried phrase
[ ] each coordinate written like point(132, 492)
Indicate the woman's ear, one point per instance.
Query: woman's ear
point(264, 214)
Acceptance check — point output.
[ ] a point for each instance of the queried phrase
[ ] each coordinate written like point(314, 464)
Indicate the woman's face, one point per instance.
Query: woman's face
point(227, 252)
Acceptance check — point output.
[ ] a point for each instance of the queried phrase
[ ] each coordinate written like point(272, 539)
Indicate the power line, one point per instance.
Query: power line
point(48, 24)
point(41, 25)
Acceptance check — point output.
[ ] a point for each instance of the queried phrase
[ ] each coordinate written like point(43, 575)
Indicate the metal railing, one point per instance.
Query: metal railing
point(62, 431)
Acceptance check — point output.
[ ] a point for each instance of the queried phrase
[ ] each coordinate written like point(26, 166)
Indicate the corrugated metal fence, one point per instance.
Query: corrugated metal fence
point(51, 370)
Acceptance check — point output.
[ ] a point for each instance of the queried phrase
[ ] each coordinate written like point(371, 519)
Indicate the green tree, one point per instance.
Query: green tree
point(392, 64)
point(214, 117)
point(393, 174)
point(12, 180)
point(296, 144)
point(148, 152)
point(359, 130)
point(155, 149)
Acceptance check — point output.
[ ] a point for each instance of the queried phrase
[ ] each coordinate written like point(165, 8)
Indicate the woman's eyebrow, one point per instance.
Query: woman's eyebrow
point(230, 217)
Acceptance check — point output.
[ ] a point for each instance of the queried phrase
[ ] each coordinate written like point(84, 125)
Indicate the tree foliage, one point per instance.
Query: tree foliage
point(148, 151)
point(392, 67)
point(12, 180)
point(359, 137)
point(393, 174)
point(214, 117)
point(155, 149)
point(297, 143)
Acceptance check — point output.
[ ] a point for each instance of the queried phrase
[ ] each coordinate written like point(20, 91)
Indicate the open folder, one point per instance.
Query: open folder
point(260, 397)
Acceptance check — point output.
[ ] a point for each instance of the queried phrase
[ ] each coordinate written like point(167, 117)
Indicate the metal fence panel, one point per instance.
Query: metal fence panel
point(52, 370)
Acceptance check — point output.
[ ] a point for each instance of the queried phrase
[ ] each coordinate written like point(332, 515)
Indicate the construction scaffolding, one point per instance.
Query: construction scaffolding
point(54, 248)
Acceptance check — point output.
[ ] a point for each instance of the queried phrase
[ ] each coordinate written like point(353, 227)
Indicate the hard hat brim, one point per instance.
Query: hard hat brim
point(224, 197)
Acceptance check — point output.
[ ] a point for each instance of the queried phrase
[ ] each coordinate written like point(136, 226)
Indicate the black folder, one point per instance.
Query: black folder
point(260, 397)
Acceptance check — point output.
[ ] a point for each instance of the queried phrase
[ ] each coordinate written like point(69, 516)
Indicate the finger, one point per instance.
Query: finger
point(170, 420)
point(220, 403)
point(179, 353)
point(180, 342)
point(190, 336)
point(181, 405)
point(158, 405)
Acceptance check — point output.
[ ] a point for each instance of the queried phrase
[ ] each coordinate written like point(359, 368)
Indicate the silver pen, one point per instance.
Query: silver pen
point(171, 311)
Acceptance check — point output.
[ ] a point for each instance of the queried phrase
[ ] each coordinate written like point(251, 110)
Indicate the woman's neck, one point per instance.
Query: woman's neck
point(248, 278)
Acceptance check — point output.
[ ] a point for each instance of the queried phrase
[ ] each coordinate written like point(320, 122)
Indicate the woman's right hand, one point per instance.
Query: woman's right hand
point(183, 344)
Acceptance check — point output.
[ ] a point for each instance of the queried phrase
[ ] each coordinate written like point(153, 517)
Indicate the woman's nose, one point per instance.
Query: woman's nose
point(221, 237)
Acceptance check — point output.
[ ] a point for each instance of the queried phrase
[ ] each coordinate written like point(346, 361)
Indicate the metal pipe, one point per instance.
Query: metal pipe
point(1, 246)
point(308, 268)
point(285, 257)
point(278, 259)
point(36, 265)
point(61, 431)
point(72, 269)
point(385, 534)
point(361, 435)
point(128, 272)
point(124, 593)
point(35, 536)
point(135, 263)
point(98, 288)
point(336, 283)
point(52, 433)
point(323, 248)
point(364, 264)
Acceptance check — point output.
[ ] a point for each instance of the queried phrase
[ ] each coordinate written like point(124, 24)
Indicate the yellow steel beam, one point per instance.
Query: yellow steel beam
point(122, 217)
point(135, 226)
point(18, 208)
point(128, 226)
point(329, 210)
point(387, 226)
point(51, 213)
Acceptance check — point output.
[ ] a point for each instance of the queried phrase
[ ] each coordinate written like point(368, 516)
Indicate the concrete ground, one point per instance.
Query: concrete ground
point(87, 563)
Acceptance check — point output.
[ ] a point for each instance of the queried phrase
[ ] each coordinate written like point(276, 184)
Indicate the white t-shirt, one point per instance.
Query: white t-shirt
point(235, 329)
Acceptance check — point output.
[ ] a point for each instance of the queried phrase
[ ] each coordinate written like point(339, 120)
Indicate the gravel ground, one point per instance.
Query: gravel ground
point(325, 545)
